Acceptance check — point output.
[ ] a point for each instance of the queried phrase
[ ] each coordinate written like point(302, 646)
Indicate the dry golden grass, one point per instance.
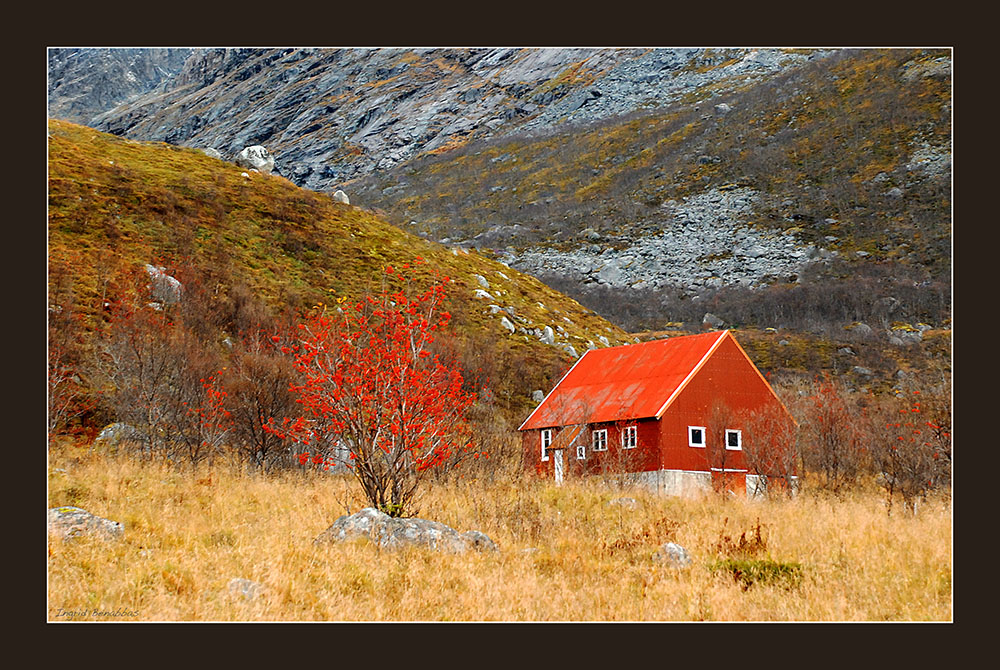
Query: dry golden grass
point(565, 553)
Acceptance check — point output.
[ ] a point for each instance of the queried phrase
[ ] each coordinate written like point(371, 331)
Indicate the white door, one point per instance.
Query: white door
point(557, 461)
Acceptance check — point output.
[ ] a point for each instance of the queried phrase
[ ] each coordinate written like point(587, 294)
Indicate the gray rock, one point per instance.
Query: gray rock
point(862, 329)
point(505, 322)
point(858, 370)
point(480, 293)
point(257, 158)
point(341, 197)
point(71, 522)
point(480, 541)
point(548, 336)
point(164, 288)
point(538, 395)
point(630, 503)
point(846, 351)
point(722, 108)
point(910, 336)
point(212, 153)
point(712, 321)
point(245, 588)
point(115, 434)
point(482, 281)
point(393, 533)
point(894, 192)
point(674, 555)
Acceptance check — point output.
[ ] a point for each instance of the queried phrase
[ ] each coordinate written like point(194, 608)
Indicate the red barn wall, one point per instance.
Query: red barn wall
point(645, 457)
point(727, 376)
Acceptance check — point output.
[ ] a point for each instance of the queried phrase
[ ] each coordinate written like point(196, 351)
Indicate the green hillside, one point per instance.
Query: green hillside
point(116, 205)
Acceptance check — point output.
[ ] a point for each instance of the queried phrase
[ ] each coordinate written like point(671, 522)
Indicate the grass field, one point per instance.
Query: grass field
point(565, 553)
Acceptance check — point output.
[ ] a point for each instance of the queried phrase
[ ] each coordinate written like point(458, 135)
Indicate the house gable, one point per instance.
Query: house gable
point(727, 377)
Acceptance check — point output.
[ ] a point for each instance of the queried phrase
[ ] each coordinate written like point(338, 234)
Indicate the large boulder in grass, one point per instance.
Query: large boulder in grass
point(71, 522)
point(393, 533)
point(256, 158)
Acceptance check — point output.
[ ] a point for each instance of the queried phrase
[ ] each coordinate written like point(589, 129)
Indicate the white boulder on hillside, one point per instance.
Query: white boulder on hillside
point(164, 288)
point(256, 158)
point(340, 196)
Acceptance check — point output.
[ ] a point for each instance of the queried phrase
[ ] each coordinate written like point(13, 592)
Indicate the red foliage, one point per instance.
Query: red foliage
point(371, 386)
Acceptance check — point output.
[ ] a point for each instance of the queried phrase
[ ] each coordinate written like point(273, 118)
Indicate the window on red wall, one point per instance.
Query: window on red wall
point(696, 436)
point(630, 437)
point(600, 440)
point(734, 440)
point(546, 443)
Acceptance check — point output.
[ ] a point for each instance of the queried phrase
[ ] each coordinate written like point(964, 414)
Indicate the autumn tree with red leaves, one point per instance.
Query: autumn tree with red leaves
point(371, 387)
point(913, 449)
point(835, 436)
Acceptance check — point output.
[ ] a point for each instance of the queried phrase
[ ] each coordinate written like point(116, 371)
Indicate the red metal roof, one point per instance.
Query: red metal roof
point(633, 381)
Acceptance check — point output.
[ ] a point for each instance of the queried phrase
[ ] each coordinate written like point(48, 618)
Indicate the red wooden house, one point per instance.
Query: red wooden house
point(675, 412)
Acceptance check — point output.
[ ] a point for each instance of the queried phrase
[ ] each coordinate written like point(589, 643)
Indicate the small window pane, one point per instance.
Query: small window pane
point(733, 439)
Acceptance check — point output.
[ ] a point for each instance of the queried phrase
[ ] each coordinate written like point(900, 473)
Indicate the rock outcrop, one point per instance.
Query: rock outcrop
point(393, 533)
point(255, 158)
point(70, 522)
point(337, 114)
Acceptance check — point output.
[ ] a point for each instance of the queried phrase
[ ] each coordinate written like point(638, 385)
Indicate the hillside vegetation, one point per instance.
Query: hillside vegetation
point(255, 247)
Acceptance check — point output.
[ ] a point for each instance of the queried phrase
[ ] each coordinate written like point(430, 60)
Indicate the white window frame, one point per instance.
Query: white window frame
point(600, 440)
point(739, 439)
point(546, 438)
point(581, 451)
point(691, 442)
point(630, 437)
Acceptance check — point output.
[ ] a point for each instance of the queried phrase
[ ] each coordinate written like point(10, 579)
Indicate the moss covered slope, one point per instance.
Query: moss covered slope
point(116, 204)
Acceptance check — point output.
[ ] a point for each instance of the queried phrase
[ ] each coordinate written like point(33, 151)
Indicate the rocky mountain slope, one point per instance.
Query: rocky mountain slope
point(329, 115)
point(834, 170)
point(86, 82)
point(805, 189)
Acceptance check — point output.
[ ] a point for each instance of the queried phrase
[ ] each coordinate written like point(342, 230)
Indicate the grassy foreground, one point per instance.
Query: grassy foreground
point(566, 554)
